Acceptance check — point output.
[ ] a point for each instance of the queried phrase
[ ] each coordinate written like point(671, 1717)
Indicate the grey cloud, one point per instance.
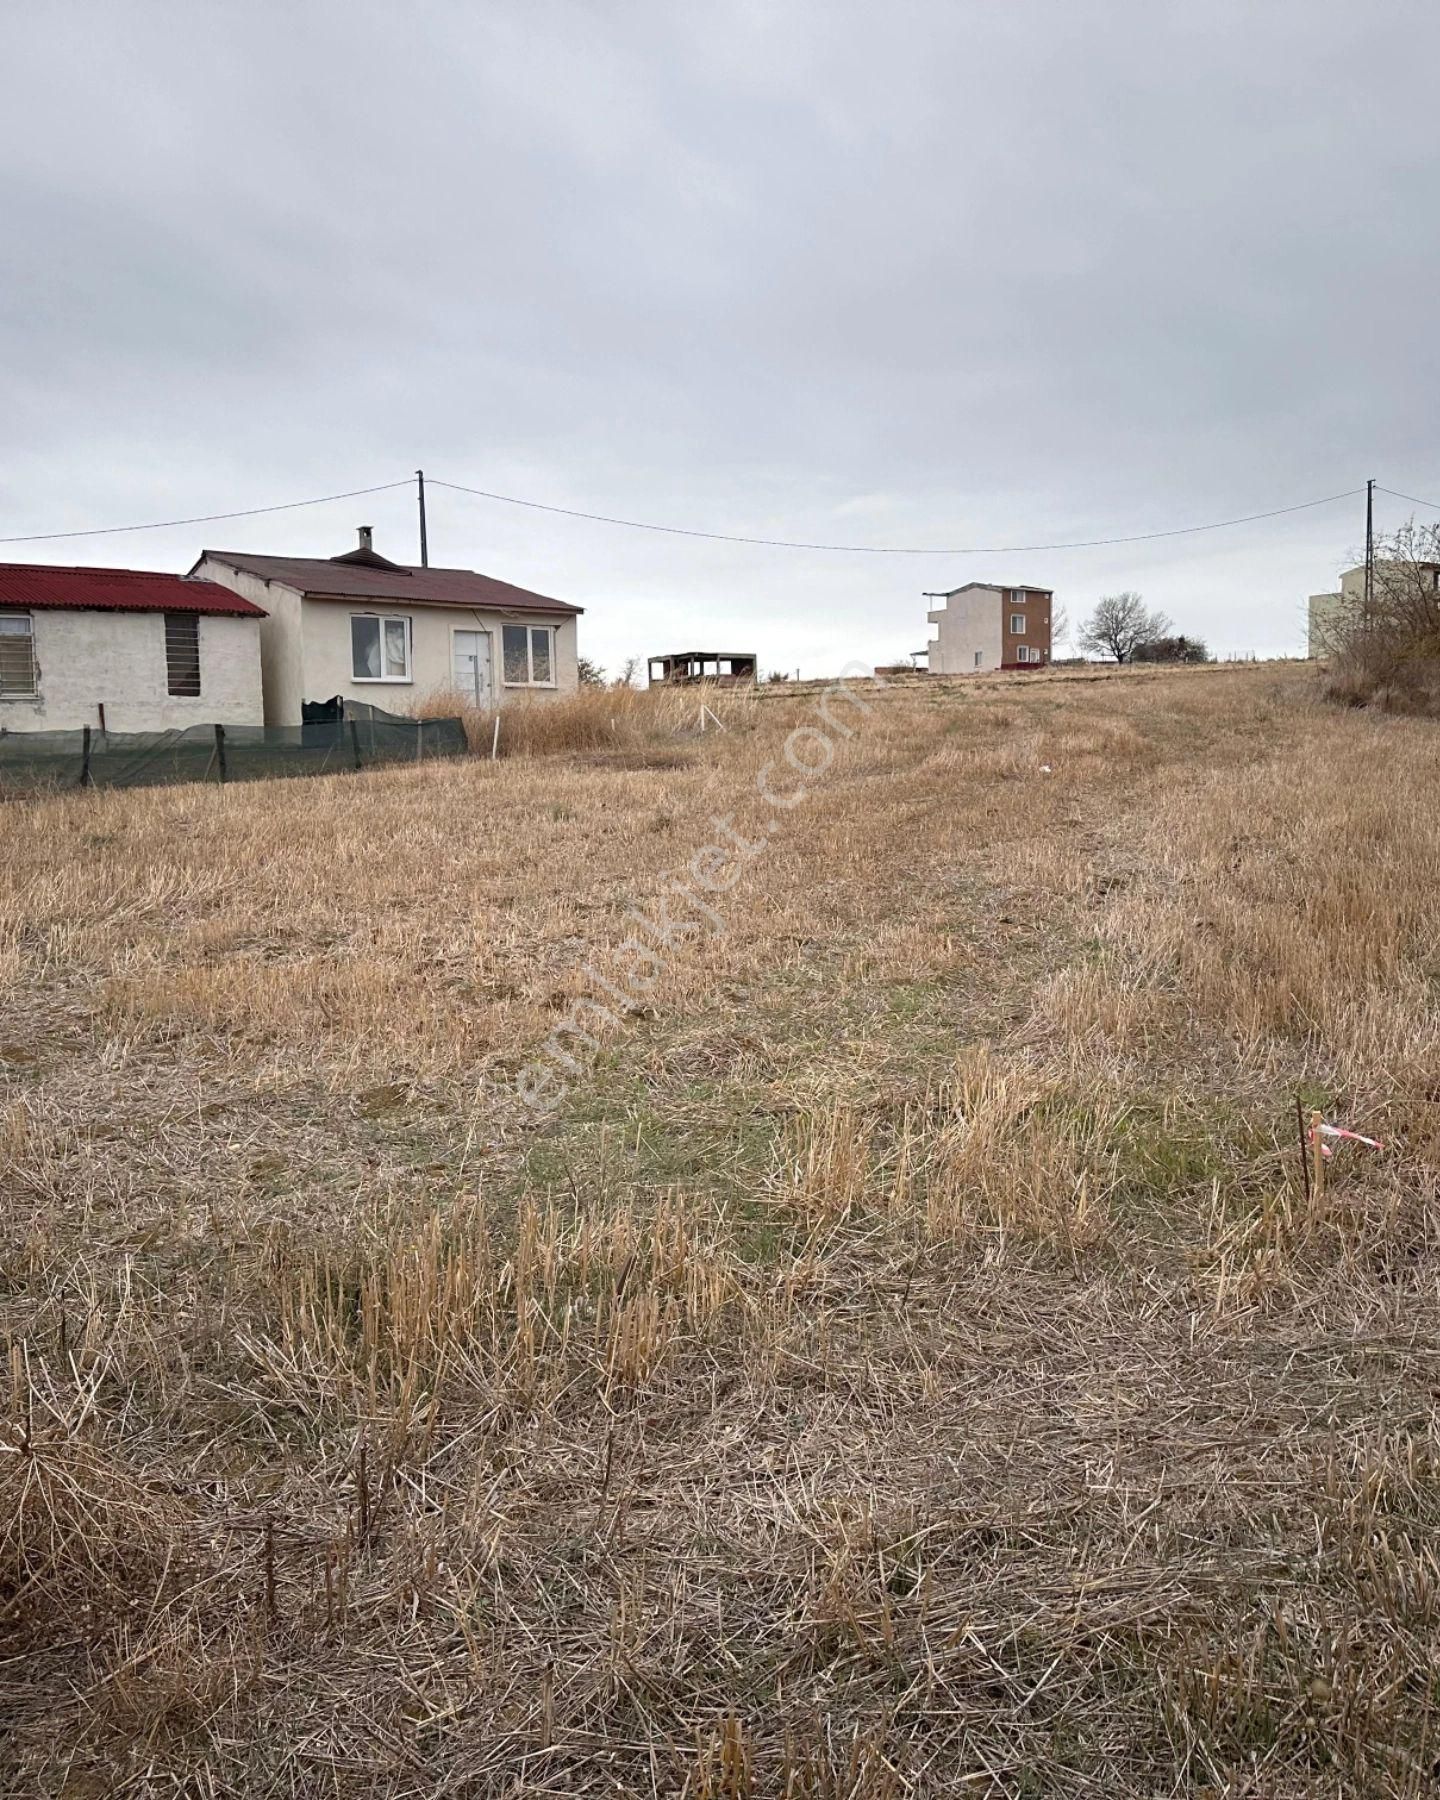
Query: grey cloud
point(929, 273)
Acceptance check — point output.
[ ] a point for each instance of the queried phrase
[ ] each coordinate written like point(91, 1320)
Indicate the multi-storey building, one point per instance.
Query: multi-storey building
point(983, 626)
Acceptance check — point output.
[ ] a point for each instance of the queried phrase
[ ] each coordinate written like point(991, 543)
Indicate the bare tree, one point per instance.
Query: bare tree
point(629, 670)
point(1119, 624)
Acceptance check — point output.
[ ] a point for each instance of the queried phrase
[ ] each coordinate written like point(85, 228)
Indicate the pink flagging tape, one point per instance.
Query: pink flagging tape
point(1355, 1137)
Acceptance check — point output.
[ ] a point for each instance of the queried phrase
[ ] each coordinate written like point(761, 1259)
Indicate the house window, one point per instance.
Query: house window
point(1017, 625)
point(1017, 596)
point(979, 658)
point(529, 656)
point(17, 654)
point(379, 647)
point(1025, 654)
point(182, 654)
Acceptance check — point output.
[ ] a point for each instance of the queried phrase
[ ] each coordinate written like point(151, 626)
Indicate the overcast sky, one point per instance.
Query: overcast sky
point(937, 274)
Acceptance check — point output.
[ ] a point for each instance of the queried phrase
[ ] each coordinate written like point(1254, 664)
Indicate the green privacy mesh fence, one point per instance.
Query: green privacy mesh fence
point(363, 738)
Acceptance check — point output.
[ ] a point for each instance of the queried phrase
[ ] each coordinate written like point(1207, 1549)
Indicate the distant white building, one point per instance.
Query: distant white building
point(124, 650)
point(1330, 614)
point(983, 626)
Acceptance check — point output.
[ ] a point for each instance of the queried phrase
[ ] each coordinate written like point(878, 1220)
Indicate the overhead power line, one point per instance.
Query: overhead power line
point(1434, 505)
point(726, 537)
point(248, 512)
point(720, 537)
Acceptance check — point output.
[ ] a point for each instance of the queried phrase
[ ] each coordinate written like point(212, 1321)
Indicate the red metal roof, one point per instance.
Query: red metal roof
point(41, 586)
point(322, 578)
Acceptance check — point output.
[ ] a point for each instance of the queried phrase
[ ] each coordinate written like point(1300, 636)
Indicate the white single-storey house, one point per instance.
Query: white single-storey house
point(361, 627)
point(124, 650)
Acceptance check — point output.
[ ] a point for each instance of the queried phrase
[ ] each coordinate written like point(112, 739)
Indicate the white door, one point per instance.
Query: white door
point(472, 666)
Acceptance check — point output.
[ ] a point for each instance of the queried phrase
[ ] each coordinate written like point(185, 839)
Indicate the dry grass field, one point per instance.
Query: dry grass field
point(904, 1361)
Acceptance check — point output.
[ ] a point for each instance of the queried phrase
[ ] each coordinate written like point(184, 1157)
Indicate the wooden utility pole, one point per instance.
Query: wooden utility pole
point(1369, 548)
point(424, 536)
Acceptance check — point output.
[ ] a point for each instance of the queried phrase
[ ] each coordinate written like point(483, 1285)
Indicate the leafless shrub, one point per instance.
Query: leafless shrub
point(1386, 651)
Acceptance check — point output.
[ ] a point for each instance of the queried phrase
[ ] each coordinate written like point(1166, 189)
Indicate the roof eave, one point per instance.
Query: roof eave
point(247, 610)
point(562, 607)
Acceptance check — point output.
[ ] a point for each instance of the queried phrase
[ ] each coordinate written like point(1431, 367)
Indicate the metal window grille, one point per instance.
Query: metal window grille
point(182, 653)
point(17, 654)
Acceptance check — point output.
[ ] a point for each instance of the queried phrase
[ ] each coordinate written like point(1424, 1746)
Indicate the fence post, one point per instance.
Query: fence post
point(355, 742)
point(85, 758)
point(220, 754)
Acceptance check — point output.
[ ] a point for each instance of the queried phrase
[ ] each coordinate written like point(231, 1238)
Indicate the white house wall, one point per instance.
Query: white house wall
point(325, 634)
point(1327, 616)
point(280, 665)
point(89, 659)
point(968, 622)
